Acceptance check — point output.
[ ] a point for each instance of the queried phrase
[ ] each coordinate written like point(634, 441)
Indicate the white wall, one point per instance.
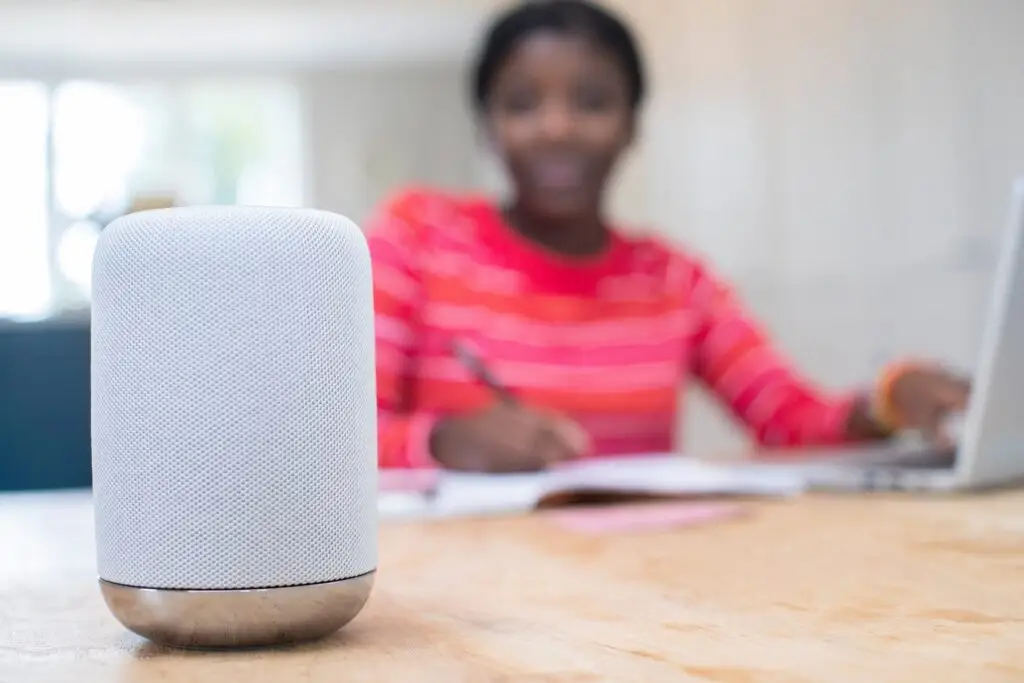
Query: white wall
point(848, 162)
point(371, 131)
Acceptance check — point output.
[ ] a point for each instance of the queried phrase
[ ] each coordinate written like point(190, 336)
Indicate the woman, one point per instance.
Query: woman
point(591, 332)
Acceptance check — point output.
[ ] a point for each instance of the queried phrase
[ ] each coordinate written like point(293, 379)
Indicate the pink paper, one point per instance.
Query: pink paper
point(406, 481)
point(647, 517)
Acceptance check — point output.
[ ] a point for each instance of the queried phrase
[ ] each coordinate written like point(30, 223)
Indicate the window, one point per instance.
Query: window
point(24, 243)
point(81, 153)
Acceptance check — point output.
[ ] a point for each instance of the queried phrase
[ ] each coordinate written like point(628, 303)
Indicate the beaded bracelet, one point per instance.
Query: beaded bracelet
point(883, 410)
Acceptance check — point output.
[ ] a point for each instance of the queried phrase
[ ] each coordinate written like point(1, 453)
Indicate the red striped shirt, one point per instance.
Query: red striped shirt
point(608, 341)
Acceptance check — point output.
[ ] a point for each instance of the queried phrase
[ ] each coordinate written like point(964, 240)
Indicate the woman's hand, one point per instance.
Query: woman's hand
point(507, 438)
point(923, 397)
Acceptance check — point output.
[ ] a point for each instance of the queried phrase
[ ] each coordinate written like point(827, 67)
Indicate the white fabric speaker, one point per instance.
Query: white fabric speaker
point(234, 424)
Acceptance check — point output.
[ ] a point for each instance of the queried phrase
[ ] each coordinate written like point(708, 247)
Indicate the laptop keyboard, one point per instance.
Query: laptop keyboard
point(923, 457)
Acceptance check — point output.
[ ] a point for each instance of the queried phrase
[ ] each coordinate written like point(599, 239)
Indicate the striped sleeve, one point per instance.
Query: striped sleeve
point(734, 358)
point(393, 235)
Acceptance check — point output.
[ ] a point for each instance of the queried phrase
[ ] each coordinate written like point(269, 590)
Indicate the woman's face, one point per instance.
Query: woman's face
point(559, 115)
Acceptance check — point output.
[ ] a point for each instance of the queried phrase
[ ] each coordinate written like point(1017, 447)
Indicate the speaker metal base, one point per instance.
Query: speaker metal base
point(218, 619)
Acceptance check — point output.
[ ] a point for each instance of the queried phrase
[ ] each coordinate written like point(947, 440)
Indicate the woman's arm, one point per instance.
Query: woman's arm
point(403, 432)
point(736, 360)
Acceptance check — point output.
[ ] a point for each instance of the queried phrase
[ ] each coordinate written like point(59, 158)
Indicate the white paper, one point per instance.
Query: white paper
point(462, 494)
point(393, 505)
point(674, 475)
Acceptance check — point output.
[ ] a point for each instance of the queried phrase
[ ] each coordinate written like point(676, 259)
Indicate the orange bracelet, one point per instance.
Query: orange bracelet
point(882, 409)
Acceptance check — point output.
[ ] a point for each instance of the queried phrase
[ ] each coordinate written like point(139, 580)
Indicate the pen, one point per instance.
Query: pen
point(580, 440)
point(482, 373)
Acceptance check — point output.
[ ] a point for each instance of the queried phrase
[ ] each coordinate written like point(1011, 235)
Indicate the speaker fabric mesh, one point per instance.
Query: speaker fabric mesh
point(233, 399)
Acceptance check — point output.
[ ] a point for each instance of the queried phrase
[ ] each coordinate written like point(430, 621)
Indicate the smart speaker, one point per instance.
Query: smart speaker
point(233, 424)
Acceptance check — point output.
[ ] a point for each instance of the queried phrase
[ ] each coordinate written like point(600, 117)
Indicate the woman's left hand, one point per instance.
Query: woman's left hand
point(925, 396)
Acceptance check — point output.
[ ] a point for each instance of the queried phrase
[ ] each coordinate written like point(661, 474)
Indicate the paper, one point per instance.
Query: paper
point(389, 480)
point(644, 517)
point(460, 494)
point(672, 475)
point(397, 505)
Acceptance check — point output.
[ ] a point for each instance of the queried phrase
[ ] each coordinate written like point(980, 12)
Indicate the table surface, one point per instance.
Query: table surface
point(810, 590)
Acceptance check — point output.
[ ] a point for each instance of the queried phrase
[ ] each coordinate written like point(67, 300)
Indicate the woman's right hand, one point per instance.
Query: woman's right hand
point(506, 438)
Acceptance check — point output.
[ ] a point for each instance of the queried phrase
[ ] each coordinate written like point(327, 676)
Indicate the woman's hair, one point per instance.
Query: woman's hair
point(573, 17)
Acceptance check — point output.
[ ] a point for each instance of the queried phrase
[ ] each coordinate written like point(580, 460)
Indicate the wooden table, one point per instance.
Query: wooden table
point(814, 590)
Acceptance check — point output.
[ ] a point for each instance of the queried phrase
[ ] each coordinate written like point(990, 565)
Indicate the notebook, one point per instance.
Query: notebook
point(460, 494)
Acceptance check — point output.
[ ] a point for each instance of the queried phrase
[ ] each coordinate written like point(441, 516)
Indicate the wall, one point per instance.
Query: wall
point(374, 130)
point(848, 162)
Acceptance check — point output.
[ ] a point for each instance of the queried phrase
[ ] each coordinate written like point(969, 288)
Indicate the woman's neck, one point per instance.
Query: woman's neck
point(582, 235)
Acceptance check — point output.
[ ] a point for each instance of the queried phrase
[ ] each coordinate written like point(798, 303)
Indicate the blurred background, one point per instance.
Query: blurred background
point(847, 162)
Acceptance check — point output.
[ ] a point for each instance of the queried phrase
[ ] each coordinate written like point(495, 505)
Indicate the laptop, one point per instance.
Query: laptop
point(990, 443)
